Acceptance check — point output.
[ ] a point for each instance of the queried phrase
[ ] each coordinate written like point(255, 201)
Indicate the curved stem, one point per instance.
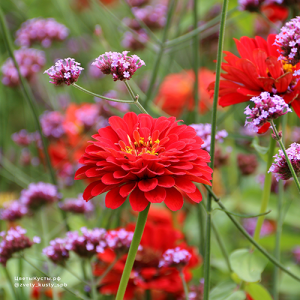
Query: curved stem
point(100, 96)
point(266, 191)
point(212, 150)
point(11, 283)
point(286, 156)
point(135, 99)
point(185, 288)
point(137, 236)
point(93, 283)
point(250, 239)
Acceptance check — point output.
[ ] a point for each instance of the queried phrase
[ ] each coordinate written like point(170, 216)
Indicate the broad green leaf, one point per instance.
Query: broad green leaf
point(223, 290)
point(238, 295)
point(257, 292)
point(289, 285)
point(248, 265)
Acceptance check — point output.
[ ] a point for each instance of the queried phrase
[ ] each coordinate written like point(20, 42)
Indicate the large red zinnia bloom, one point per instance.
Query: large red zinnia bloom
point(148, 159)
point(257, 70)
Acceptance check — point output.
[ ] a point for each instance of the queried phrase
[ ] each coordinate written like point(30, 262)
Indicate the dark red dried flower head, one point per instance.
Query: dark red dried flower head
point(147, 159)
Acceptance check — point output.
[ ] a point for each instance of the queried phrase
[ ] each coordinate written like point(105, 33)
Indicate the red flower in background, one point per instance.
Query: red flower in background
point(164, 283)
point(147, 159)
point(176, 92)
point(275, 12)
point(257, 70)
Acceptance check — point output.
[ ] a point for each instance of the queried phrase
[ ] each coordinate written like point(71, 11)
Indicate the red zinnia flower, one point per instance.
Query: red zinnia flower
point(148, 159)
point(258, 70)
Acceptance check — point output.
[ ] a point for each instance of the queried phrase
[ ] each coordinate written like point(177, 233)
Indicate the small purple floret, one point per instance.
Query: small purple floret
point(175, 258)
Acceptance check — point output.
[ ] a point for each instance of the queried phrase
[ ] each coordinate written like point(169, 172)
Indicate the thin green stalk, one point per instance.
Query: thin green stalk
point(74, 274)
point(185, 288)
point(77, 294)
point(250, 239)
point(108, 269)
point(160, 53)
point(135, 99)
point(93, 283)
point(201, 220)
point(100, 96)
point(196, 63)
point(11, 283)
point(27, 94)
point(137, 236)
point(266, 190)
point(212, 150)
point(286, 156)
point(21, 273)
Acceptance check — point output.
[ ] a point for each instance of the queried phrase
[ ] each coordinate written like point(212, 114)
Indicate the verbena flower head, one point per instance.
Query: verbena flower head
point(89, 243)
point(77, 206)
point(22, 138)
point(119, 240)
point(88, 114)
point(280, 167)
point(57, 251)
point(204, 132)
point(12, 241)
point(267, 228)
point(289, 41)
point(247, 163)
point(148, 159)
point(41, 30)
point(13, 210)
point(52, 124)
point(39, 194)
point(266, 108)
point(119, 65)
point(135, 42)
point(30, 62)
point(65, 71)
point(175, 258)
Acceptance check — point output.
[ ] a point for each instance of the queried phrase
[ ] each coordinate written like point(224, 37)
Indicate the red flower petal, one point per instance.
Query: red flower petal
point(157, 195)
point(87, 192)
point(113, 199)
point(126, 189)
point(80, 173)
point(138, 200)
point(174, 199)
point(166, 181)
point(185, 184)
point(148, 184)
point(196, 196)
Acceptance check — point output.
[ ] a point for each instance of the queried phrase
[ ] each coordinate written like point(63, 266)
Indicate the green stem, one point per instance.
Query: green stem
point(286, 156)
point(76, 293)
point(100, 96)
point(27, 94)
point(74, 274)
point(266, 191)
point(135, 99)
point(185, 288)
point(201, 220)
point(196, 63)
point(160, 53)
point(212, 150)
point(10, 283)
point(137, 236)
point(108, 269)
point(93, 283)
point(250, 239)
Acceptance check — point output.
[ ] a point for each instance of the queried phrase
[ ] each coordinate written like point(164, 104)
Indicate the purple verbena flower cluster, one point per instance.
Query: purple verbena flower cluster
point(175, 258)
point(250, 224)
point(77, 206)
point(65, 71)
point(13, 210)
point(89, 243)
point(289, 41)
point(57, 251)
point(266, 108)
point(119, 65)
point(22, 138)
point(88, 115)
point(39, 194)
point(12, 241)
point(30, 61)
point(135, 42)
point(280, 167)
point(204, 132)
point(41, 30)
point(52, 124)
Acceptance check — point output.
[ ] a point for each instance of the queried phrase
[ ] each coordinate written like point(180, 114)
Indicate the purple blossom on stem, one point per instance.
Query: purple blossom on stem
point(30, 61)
point(266, 108)
point(39, 194)
point(204, 132)
point(133, 42)
point(22, 138)
point(41, 30)
point(90, 243)
point(12, 241)
point(280, 166)
point(52, 124)
point(57, 251)
point(65, 71)
point(77, 206)
point(88, 115)
point(250, 224)
point(289, 41)
point(119, 65)
point(13, 210)
point(175, 258)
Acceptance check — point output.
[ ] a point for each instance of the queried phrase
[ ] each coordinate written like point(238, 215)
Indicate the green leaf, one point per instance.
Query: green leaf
point(257, 292)
point(225, 291)
point(248, 265)
point(262, 151)
point(289, 285)
point(238, 295)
